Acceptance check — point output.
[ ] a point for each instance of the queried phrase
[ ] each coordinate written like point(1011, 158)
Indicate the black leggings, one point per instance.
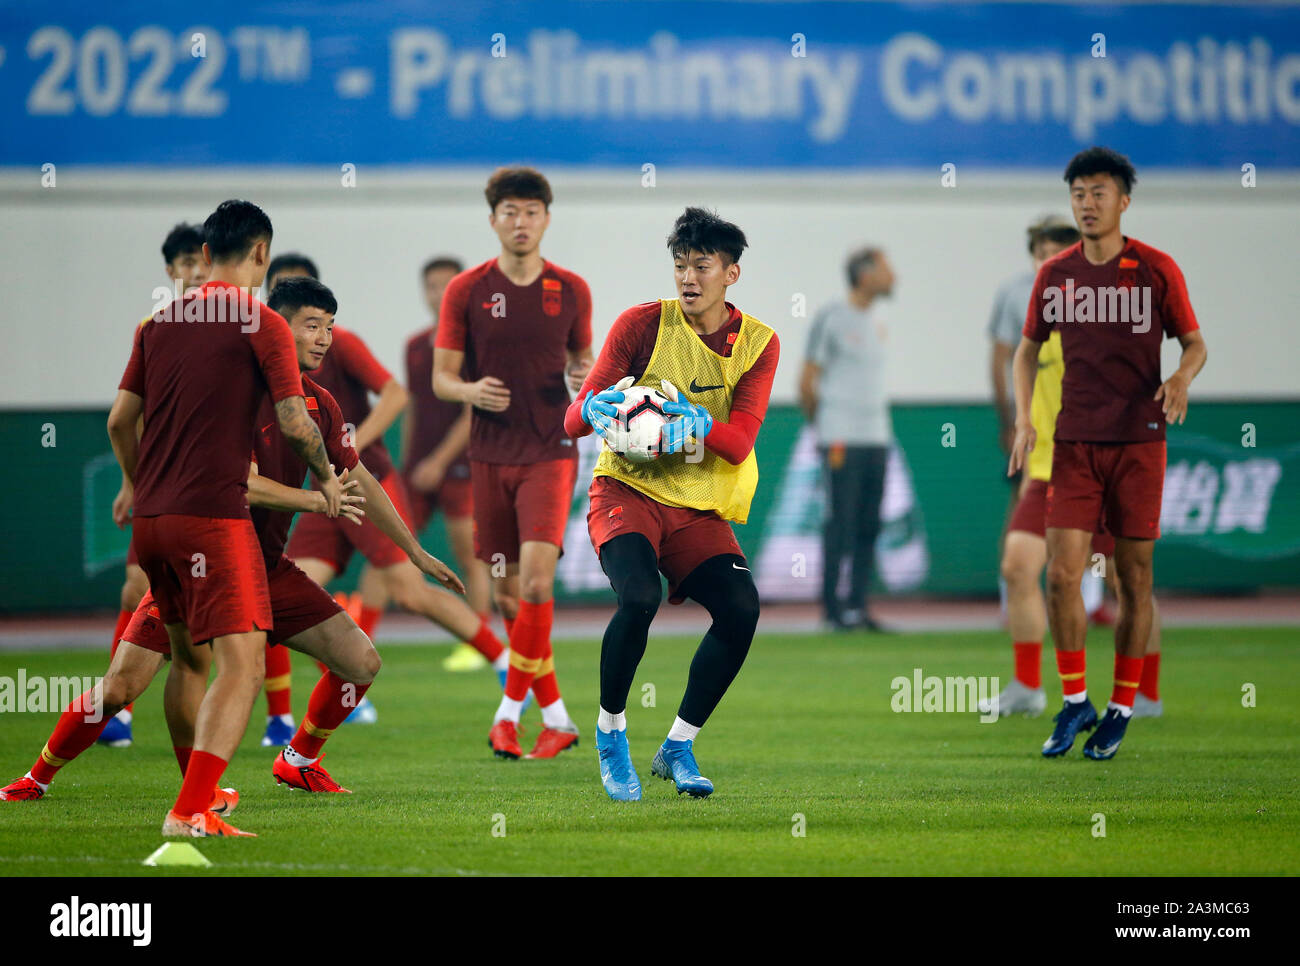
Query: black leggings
point(722, 584)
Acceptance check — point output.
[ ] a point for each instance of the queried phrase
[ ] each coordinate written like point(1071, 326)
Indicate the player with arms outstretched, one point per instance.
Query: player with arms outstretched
point(1112, 298)
point(670, 515)
point(510, 331)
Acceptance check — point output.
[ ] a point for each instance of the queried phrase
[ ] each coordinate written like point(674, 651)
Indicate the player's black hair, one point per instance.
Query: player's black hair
point(526, 184)
point(1099, 160)
point(442, 261)
point(700, 230)
point(234, 228)
point(1053, 230)
point(294, 292)
point(181, 240)
point(289, 260)
point(859, 262)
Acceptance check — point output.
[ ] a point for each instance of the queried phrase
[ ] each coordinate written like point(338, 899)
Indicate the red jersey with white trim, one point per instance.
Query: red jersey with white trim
point(203, 366)
point(276, 460)
point(1112, 319)
point(520, 335)
point(350, 373)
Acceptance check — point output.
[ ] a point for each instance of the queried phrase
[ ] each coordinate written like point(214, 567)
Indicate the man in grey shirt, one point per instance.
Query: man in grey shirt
point(842, 391)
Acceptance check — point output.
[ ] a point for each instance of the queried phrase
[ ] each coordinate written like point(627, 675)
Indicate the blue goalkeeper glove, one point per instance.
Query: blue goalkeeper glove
point(598, 410)
point(695, 421)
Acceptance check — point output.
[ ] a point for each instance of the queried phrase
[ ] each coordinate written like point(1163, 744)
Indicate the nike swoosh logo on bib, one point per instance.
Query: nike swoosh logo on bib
point(695, 388)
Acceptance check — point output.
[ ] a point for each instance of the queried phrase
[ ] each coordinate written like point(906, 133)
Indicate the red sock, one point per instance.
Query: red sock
point(1070, 665)
point(1128, 674)
point(1029, 663)
point(486, 643)
point(123, 619)
point(72, 735)
point(182, 757)
point(200, 782)
point(278, 676)
point(368, 620)
point(332, 700)
point(546, 689)
point(528, 639)
point(1150, 686)
point(510, 626)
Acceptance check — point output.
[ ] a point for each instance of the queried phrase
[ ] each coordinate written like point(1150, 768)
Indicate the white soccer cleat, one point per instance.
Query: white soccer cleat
point(1144, 707)
point(1016, 699)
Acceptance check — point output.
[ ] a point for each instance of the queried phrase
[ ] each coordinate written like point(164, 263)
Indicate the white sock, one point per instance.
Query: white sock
point(297, 760)
point(1126, 712)
point(556, 716)
point(45, 786)
point(282, 718)
point(508, 710)
point(124, 716)
point(502, 663)
point(1079, 698)
point(607, 722)
point(1093, 589)
point(681, 731)
point(1002, 596)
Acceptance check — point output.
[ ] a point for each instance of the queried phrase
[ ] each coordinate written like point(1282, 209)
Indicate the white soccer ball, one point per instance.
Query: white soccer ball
point(640, 417)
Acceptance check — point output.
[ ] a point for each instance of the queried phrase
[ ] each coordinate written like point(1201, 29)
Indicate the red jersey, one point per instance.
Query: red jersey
point(350, 373)
point(1112, 319)
point(432, 418)
point(202, 378)
point(277, 460)
point(520, 336)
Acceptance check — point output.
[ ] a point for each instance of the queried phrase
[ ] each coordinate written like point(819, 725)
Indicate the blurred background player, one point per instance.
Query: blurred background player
point(1024, 551)
point(322, 547)
point(842, 390)
point(1108, 462)
point(510, 332)
point(1008, 318)
point(182, 252)
point(671, 514)
point(435, 439)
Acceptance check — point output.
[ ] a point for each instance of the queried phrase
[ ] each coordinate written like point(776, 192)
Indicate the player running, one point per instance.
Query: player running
point(509, 332)
point(198, 373)
point(182, 252)
point(1111, 298)
point(670, 515)
point(1024, 552)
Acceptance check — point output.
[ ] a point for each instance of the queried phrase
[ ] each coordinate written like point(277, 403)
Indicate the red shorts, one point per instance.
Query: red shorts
point(683, 538)
point(454, 498)
point(131, 559)
point(514, 503)
point(298, 603)
point(317, 537)
point(1030, 516)
point(1116, 486)
point(206, 572)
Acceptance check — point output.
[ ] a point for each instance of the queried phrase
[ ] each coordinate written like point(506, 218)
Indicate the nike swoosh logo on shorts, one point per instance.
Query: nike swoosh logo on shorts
point(737, 566)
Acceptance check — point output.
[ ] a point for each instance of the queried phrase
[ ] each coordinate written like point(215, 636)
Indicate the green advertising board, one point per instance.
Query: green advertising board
point(1230, 521)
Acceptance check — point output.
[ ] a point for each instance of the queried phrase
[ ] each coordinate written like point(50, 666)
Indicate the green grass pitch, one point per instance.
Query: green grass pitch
point(807, 730)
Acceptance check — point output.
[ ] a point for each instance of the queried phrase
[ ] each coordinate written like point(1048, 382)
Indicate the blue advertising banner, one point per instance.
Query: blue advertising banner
point(703, 83)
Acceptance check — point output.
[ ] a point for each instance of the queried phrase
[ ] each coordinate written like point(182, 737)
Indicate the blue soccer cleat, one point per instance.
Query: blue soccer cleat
point(279, 731)
point(1104, 742)
point(363, 713)
point(117, 733)
point(674, 760)
point(616, 771)
point(1070, 720)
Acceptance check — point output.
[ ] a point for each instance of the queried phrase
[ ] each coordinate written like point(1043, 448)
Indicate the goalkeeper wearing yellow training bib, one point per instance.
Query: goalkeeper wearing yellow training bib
point(671, 515)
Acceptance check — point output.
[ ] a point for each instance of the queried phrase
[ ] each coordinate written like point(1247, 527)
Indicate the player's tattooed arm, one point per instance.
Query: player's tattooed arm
point(303, 435)
point(122, 418)
point(385, 516)
point(1173, 391)
point(1023, 369)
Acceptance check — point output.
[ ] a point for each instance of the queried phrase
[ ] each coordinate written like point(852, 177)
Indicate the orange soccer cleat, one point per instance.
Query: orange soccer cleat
point(200, 825)
point(24, 790)
point(305, 778)
point(504, 739)
point(552, 741)
point(224, 801)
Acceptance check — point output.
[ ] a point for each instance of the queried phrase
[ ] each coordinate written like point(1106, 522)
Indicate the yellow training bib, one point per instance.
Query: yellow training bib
point(1045, 404)
point(707, 379)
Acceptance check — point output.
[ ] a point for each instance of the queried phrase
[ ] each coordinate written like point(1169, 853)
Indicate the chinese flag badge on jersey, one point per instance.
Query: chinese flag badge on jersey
point(552, 295)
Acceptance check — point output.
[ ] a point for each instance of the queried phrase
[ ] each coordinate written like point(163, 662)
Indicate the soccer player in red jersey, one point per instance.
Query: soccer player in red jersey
point(435, 439)
point(182, 252)
point(510, 331)
point(323, 547)
point(1112, 298)
point(670, 515)
point(198, 373)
